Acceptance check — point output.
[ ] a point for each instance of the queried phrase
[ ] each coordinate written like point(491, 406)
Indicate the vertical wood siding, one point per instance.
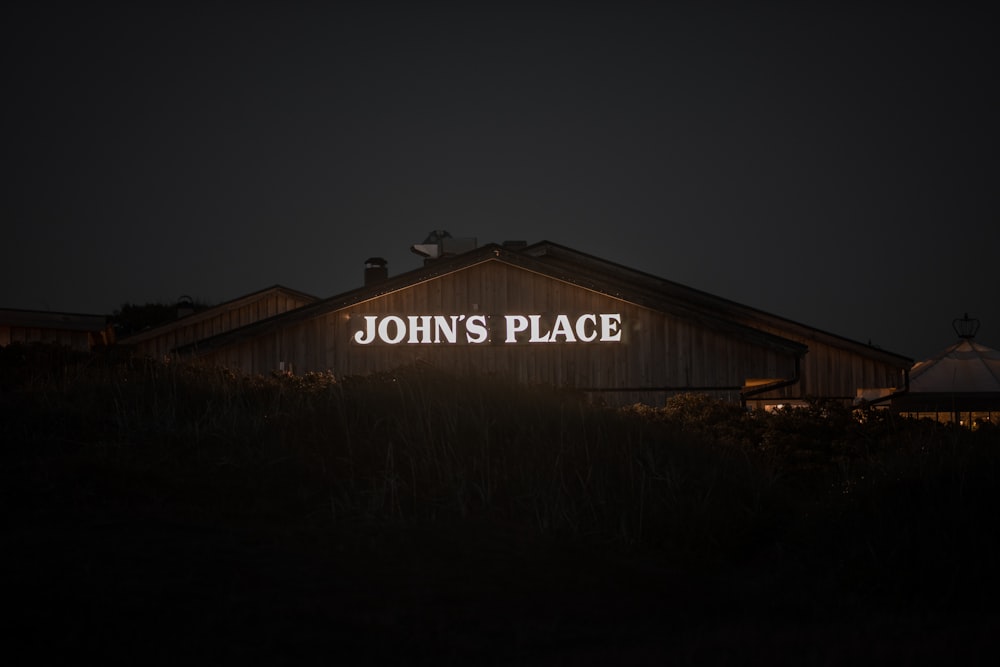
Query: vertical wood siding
point(657, 349)
point(227, 319)
point(832, 371)
point(77, 340)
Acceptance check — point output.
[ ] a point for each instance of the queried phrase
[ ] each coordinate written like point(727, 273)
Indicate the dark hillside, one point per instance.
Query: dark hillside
point(163, 514)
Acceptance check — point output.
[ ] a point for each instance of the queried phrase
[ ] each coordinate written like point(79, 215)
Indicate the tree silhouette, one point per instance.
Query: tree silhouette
point(132, 318)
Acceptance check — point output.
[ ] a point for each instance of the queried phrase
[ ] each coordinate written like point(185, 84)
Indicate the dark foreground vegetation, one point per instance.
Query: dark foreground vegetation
point(168, 514)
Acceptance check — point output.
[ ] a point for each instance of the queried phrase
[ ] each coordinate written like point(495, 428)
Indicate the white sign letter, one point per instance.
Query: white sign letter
point(611, 327)
point(367, 335)
point(581, 328)
point(515, 324)
point(536, 337)
point(420, 329)
point(562, 328)
point(449, 329)
point(383, 329)
point(476, 330)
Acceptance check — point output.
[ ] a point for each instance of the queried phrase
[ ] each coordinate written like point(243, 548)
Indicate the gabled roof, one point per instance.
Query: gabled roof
point(583, 264)
point(964, 368)
point(209, 313)
point(613, 281)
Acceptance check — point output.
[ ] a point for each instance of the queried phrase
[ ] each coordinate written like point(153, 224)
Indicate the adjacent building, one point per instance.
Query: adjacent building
point(73, 330)
point(190, 327)
point(960, 384)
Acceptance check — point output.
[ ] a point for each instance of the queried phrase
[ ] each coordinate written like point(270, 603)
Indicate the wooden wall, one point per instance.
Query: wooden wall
point(75, 339)
point(73, 330)
point(160, 342)
point(837, 369)
point(657, 351)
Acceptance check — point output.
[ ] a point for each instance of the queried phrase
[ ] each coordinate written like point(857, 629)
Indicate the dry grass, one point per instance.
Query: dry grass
point(436, 493)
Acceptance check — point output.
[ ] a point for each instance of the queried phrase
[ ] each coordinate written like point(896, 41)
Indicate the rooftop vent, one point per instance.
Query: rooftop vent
point(185, 306)
point(440, 243)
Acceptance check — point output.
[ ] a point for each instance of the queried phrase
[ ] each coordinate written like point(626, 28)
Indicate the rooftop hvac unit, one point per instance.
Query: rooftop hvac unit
point(440, 243)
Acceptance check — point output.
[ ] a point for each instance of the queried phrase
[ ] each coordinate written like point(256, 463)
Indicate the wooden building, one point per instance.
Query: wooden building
point(74, 330)
point(160, 342)
point(547, 314)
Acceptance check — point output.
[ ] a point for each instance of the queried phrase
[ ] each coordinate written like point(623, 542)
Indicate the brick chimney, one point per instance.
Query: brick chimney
point(376, 270)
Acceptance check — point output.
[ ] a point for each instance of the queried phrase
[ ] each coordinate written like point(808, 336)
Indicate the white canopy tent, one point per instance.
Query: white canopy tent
point(961, 383)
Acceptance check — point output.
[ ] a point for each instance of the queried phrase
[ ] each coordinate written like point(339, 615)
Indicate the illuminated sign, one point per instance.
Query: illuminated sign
point(480, 329)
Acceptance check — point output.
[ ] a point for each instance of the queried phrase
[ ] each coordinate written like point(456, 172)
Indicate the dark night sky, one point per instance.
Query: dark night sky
point(834, 166)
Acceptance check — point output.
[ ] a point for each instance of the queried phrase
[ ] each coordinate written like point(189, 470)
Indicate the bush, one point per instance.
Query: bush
point(699, 480)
